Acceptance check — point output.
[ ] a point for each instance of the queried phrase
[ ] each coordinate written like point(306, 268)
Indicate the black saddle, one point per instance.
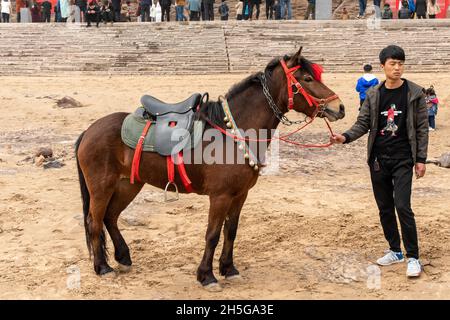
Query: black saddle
point(174, 122)
point(159, 108)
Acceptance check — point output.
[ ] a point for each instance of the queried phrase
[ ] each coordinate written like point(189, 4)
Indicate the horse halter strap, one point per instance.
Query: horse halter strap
point(292, 81)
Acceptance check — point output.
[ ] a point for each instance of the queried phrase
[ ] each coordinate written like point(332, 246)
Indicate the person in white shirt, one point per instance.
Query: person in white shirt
point(6, 10)
point(158, 12)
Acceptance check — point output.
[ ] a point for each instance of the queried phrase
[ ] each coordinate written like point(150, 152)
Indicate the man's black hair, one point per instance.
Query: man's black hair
point(393, 52)
point(367, 68)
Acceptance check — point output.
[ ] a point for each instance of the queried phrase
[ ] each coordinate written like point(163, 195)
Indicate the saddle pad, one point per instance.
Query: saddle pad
point(133, 126)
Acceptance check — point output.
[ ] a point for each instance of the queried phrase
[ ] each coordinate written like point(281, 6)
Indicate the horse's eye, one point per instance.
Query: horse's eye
point(308, 78)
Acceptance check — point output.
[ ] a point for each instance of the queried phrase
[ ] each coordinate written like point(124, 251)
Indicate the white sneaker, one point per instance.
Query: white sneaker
point(430, 129)
point(414, 268)
point(390, 258)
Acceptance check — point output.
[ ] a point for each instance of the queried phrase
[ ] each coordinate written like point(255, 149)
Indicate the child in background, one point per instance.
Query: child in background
point(345, 15)
point(364, 83)
point(387, 12)
point(432, 104)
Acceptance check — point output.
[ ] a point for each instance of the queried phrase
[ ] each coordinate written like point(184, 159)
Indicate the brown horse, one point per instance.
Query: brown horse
point(259, 102)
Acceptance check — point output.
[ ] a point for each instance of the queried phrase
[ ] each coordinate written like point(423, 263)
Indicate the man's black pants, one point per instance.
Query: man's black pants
point(391, 183)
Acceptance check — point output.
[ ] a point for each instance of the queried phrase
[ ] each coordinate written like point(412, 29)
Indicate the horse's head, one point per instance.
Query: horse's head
point(302, 88)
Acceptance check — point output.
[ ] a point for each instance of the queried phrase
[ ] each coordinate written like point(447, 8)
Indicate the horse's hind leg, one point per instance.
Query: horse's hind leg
point(226, 266)
point(97, 209)
point(123, 195)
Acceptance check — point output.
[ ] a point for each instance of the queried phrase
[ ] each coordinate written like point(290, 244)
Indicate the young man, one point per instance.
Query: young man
point(395, 112)
point(367, 81)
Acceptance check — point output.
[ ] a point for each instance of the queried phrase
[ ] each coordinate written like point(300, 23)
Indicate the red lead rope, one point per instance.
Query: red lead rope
point(282, 138)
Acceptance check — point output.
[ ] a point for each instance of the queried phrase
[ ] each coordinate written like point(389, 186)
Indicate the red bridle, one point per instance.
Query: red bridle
point(292, 81)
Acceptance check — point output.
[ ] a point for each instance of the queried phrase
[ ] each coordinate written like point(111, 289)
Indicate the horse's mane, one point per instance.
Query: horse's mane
point(313, 69)
point(214, 110)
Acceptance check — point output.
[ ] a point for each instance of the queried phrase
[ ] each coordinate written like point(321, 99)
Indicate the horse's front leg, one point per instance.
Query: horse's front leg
point(218, 210)
point(226, 266)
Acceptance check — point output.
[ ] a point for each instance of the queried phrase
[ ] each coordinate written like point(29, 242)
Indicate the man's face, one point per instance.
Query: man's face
point(393, 69)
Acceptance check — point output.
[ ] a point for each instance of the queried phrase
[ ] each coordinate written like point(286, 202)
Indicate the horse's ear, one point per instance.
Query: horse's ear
point(296, 57)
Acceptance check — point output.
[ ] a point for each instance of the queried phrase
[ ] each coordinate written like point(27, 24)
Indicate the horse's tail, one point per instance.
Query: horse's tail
point(86, 197)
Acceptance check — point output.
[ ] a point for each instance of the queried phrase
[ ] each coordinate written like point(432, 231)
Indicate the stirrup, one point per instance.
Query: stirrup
point(166, 199)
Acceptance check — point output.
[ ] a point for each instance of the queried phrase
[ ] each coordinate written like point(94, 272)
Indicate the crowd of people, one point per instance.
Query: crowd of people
point(149, 10)
point(196, 10)
point(407, 9)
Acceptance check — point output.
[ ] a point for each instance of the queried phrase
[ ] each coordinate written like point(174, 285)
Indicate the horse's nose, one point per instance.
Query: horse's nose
point(341, 111)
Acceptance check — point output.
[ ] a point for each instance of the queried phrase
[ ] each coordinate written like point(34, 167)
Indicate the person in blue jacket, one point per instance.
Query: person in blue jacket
point(365, 82)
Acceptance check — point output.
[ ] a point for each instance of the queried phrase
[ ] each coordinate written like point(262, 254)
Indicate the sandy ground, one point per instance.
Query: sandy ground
point(309, 231)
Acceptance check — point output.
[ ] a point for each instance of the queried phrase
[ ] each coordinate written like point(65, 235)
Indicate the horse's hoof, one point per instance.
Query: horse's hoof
point(123, 268)
point(104, 269)
point(235, 278)
point(213, 287)
point(109, 275)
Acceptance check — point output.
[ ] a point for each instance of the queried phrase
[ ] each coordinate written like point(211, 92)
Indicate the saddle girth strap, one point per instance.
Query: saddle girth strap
point(137, 155)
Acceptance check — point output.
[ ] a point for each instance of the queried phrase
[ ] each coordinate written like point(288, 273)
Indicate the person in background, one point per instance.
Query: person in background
point(158, 11)
point(311, 10)
point(269, 9)
point(82, 5)
point(65, 9)
point(239, 7)
point(46, 11)
point(387, 12)
point(254, 3)
point(345, 15)
point(421, 9)
point(224, 11)
point(432, 105)
point(404, 12)
point(19, 5)
point(116, 7)
point(107, 12)
point(194, 9)
point(377, 6)
point(433, 9)
point(145, 10)
point(35, 12)
point(277, 9)
point(6, 10)
point(92, 13)
point(126, 10)
point(412, 8)
point(179, 7)
point(286, 9)
point(186, 13)
point(165, 10)
point(208, 10)
point(362, 9)
point(363, 84)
